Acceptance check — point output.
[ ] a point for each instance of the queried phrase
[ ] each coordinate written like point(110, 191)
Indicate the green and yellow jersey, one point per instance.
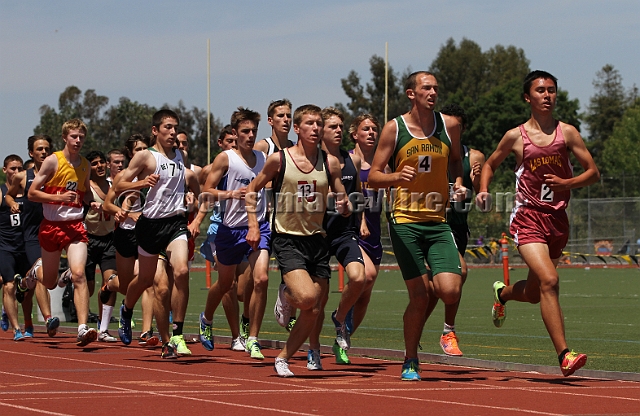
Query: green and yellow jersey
point(425, 199)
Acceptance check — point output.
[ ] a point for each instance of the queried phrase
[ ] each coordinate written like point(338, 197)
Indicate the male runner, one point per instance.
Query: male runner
point(279, 118)
point(342, 237)
point(61, 185)
point(302, 177)
point(162, 226)
point(539, 223)
point(421, 146)
point(472, 161)
point(231, 172)
point(39, 148)
point(115, 162)
point(101, 249)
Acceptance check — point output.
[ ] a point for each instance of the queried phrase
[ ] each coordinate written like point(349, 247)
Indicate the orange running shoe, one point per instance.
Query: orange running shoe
point(449, 344)
point(572, 362)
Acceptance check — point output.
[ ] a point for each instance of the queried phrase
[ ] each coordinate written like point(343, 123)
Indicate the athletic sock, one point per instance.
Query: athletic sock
point(107, 311)
point(46, 318)
point(82, 327)
point(245, 320)
point(499, 298)
point(448, 328)
point(252, 338)
point(177, 328)
point(562, 354)
point(126, 313)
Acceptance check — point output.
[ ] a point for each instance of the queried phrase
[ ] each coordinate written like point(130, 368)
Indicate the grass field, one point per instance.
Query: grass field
point(601, 308)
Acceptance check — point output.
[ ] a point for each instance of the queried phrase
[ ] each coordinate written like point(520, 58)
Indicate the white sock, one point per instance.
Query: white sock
point(252, 338)
point(82, 328)
point(107, 311)
point(448, 328)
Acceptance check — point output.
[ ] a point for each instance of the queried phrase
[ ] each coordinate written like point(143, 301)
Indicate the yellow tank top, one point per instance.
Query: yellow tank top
point(426, 198)
point(66, 178)
point(301, 197)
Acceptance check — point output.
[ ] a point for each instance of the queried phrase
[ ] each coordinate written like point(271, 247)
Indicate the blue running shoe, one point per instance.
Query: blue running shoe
point(28, 332)
point(124, 327)
point(17, 335)
point(206, 337)
point(5, 320)
point(52, 325)
point(348, 321)
point(410, 370)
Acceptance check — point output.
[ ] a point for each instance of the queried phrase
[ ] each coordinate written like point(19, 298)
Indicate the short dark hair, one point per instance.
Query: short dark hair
point(304, 110)
point(244, 114)
point(160, 115)
point(113, 152)
point(12, 158)
point(130, 143)
point(33, 139)
point(456, 111)
point(95, 154)
point(410, 82)
point(226, 131)
point(534, 75)
point(275, 104)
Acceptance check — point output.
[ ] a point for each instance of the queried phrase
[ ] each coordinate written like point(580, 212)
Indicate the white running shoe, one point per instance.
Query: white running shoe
point(282, 308)
point(86, 336)
point(106, 337)
point(313, 360)
point(31, 279)
point(282, 367)
point(65, 278)
point(237, 344)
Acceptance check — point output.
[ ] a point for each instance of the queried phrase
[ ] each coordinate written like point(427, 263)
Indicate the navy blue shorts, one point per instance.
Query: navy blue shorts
point(232, 246)
point(12, 263)
point(346, 249)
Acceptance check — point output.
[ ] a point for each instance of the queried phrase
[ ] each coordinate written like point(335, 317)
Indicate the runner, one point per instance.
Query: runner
point(100, 250)
point(231, 172)
point(421, 146)
point(61, 185)
point(342, 238)
point(539, 223)
point(162, 226)
point(472, 161)
point(39, 148)
point(303, 175)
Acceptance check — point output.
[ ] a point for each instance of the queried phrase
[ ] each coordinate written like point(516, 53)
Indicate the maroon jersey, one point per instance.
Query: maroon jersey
point(531, 191)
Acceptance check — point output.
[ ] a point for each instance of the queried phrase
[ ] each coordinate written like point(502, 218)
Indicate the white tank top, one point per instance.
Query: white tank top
point(234, 213)
point(166, 198)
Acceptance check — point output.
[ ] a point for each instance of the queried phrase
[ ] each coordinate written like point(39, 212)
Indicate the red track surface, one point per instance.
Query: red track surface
point(52, 376)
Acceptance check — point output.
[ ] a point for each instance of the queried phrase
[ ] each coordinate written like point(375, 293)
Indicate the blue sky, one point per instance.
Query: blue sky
point(154, 52)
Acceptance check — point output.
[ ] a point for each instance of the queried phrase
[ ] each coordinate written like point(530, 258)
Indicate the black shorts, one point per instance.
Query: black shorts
point(125, 242)
point(310, 253)
point(346, 248)
point(154, 235)
point(461, 236)
point(34, 252)
point(12, 263)
point(102, 252)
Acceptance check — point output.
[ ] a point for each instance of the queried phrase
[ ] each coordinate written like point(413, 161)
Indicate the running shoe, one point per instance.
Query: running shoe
point(65, 278)
point(124, 327)
point(106, 337)
point(52, 325)
point(180, 346)
point(244, 329)
point(31, 279)
point(410, 370)
point(342, 335)
point(499, 311)
point(238, 344)
point(313, 360)
point(4, 322)
point(572, 362)
point(206, 337)
point(281, 367)
point(291, 324)
point(20, 283)
point(86, 336)
point(348, 321)
point(168, 351)
point(253, 348)
point(28, 332)
point(282, 309)
point(341, 355)
point(147, 339)
point(17, 335)
point(449, 344)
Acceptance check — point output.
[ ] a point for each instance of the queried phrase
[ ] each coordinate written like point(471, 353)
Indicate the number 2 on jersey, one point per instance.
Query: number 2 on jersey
point(546, 194)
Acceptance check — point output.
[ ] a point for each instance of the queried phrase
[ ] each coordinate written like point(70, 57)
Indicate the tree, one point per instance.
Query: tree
point(606, 107)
